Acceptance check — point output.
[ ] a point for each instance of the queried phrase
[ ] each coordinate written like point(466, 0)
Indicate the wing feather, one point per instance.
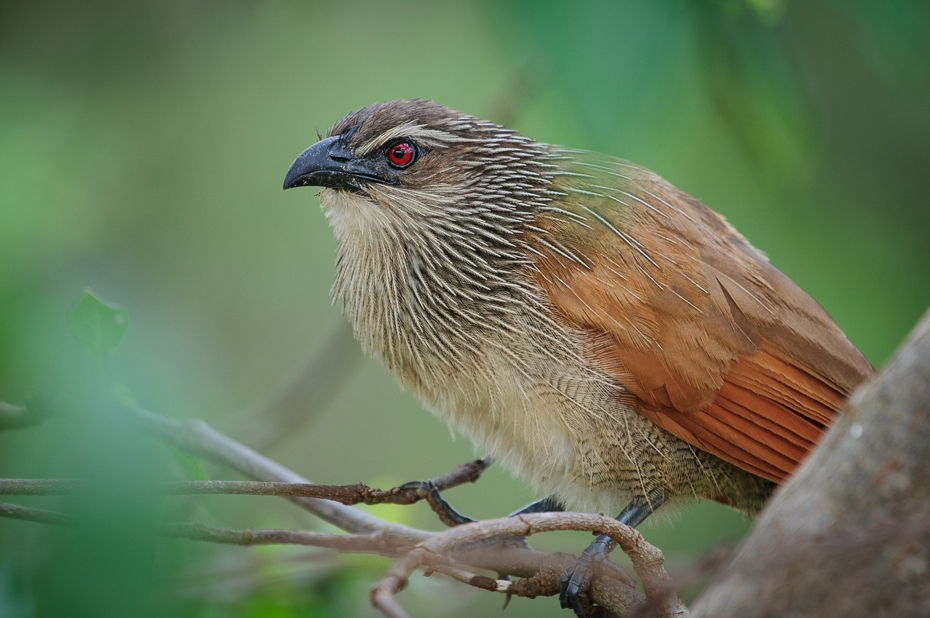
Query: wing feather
point(710, 341)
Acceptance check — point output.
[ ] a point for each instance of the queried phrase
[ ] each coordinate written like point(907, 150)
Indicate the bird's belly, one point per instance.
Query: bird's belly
point(543, 434)
point(512, 422)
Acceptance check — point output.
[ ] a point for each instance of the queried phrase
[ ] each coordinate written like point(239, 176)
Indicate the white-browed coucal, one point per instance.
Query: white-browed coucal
point(606, 336)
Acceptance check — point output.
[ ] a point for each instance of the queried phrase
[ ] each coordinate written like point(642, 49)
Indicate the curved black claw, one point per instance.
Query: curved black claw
point(574, 581)
point(509, 596)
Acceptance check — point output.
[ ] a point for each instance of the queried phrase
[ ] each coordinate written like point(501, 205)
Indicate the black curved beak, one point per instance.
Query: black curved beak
point(329, 164)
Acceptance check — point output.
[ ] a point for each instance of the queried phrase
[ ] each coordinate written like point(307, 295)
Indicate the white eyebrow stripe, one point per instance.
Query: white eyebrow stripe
point(418, 132)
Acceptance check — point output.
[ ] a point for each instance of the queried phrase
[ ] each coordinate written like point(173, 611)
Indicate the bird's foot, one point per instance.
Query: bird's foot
point(447, 515)
point(574, 581)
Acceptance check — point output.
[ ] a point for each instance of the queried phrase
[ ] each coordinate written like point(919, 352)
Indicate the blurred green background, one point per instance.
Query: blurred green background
point(142, 151)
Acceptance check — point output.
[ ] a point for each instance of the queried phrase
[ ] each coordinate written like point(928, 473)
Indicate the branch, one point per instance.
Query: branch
point(367, 543)
point(344, 494)
point(41, 516)
point(647, 560)
point(384, 544)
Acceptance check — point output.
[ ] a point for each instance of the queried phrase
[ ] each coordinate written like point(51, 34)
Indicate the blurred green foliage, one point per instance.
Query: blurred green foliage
point(142, 148)
point(98, 326)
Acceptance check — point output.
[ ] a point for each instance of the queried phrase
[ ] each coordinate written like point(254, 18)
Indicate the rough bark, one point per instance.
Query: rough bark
point(849, 534)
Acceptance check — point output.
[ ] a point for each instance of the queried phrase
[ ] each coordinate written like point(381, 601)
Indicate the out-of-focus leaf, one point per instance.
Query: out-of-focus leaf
point(757, 92)
point(98, 326)
point(769, 10)
point(607, 58)
point(192, 466)
point(898, 31)
point(122, 394)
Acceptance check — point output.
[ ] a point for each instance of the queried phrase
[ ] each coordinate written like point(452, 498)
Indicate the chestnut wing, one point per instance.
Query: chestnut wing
point(711, 342)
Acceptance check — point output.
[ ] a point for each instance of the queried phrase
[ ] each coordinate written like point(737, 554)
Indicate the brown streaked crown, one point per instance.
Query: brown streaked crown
point(449, 143)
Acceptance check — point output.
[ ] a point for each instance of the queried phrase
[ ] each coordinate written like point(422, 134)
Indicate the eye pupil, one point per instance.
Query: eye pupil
point(401, 154)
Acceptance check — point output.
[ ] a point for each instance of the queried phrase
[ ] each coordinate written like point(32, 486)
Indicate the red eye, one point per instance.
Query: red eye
point(401, 154)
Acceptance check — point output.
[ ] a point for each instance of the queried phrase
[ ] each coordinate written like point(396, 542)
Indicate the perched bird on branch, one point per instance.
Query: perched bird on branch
point(606, 336)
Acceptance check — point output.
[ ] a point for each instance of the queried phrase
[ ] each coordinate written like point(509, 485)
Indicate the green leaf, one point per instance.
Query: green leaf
point(756, 87)
point(191, 465)
point(98, 326)
point(122, 394)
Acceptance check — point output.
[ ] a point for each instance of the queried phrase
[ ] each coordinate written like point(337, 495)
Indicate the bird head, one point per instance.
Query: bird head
point(394, 144)
point(415, 159)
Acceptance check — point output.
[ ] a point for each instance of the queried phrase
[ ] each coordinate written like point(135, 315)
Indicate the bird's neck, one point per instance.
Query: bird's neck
point(425, 293)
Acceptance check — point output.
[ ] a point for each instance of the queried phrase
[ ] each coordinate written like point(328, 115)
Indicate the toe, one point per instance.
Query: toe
point(419, 486)
point(574, 581)
point(572, 585)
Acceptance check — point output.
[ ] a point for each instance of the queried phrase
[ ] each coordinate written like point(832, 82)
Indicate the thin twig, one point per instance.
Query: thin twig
point(463, 473)
point(198, 438)
point(41, 516)
point(344, 494)
point(385, 544)
point(41, 487)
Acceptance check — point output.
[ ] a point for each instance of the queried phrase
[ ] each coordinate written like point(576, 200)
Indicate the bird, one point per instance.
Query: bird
point(604, 335)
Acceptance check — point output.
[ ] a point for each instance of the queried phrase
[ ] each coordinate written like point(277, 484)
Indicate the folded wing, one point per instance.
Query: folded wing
point(712, 343)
